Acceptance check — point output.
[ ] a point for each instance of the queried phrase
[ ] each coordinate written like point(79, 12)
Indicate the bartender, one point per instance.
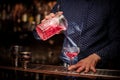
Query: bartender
point(93, 25)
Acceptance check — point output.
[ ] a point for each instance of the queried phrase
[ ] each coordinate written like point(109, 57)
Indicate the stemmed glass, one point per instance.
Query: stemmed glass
point(71, 52)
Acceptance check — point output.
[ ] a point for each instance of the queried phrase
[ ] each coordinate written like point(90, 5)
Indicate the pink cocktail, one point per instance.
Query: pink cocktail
point(51, 31)
point(71, 52)
point(71, 55)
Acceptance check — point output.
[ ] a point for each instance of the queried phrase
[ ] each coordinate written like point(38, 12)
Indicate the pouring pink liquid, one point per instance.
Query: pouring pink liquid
point(51, 31)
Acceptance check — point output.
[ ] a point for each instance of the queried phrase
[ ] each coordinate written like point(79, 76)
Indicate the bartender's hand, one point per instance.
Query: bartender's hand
point(86, 64)
point(51, 15)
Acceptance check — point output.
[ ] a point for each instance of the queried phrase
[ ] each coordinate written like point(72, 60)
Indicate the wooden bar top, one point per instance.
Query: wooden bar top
point(61, 70)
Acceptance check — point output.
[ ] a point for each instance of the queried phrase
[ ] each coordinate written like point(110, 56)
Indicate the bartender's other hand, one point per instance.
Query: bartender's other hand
point(86, 64)
point(51, 15)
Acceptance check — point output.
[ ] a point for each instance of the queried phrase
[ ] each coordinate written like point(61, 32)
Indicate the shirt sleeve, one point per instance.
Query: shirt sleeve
point(112, 50)
point(57, 7)
point(35, 35)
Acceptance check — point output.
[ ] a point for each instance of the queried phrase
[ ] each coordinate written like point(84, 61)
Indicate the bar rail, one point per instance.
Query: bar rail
point(62, 71)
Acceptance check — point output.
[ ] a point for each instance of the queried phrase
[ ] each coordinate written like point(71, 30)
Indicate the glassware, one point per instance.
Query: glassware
point(15, 50)
point(25, 58)
point(52, 26)
point(71, 52)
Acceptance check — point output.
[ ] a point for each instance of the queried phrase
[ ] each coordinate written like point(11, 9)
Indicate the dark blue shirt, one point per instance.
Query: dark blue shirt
point(93, 26)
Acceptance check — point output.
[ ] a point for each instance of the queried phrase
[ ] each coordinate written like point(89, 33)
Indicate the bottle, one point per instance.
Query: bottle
point(24, 20)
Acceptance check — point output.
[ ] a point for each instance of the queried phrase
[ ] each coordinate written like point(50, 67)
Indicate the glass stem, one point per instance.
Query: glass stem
point(71, 62)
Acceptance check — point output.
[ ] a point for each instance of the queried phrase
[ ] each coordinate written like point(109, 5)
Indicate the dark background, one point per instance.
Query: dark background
point(41, 50)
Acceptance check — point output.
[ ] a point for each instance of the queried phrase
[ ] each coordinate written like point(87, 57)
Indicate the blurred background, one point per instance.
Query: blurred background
point(18, 18)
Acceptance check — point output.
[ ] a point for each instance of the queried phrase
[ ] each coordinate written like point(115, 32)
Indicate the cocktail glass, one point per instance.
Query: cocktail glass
point(71, 53)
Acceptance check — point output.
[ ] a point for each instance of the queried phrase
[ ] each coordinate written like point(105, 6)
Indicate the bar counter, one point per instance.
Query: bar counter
point(62, 71)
